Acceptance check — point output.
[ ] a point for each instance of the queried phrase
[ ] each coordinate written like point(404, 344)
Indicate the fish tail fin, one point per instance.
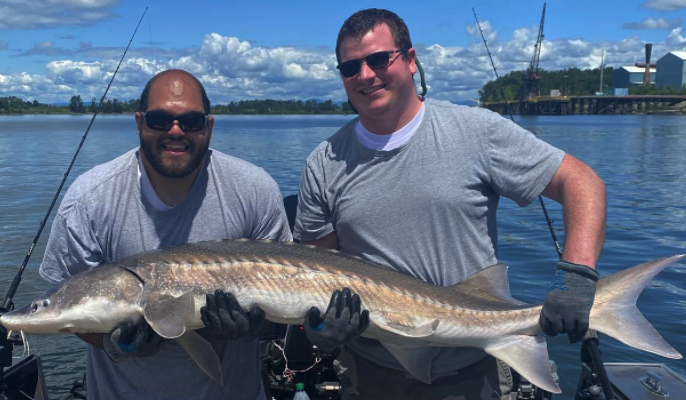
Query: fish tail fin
point(614, 311)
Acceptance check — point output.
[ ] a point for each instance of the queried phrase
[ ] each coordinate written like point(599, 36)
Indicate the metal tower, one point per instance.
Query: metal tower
point(531, 77)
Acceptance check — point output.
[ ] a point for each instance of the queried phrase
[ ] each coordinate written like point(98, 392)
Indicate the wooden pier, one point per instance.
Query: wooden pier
point(587, 105)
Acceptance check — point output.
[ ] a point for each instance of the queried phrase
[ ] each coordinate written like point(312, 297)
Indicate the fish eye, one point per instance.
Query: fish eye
point(34, 307)
point(46, 303)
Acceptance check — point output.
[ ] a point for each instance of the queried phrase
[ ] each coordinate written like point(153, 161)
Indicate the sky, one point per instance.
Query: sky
point(51, 50)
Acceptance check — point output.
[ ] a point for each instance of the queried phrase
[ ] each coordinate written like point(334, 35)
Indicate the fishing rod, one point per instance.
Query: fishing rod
point(593, 371)
point(509, 111)
point(7, 344)
point(7, 304)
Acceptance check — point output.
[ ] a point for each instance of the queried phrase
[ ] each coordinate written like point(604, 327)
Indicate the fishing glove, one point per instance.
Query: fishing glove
point(131, 340)
point(342, 323)
point(569, 301)
point(226, 320)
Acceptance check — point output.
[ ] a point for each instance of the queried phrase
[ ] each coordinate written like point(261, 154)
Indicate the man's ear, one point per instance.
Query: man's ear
point(411, 57)
point(139, 122)
point(210, 125)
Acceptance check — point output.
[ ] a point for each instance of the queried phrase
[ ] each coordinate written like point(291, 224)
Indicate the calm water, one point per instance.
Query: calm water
point(641, 159)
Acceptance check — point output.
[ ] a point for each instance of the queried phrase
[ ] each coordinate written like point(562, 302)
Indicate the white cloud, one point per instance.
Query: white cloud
point(675, 39)
point(74, 72)
point(486, 28)
point(236, 69)
point(262, 72)
point(41, 14)
point(652, 23)
point(187, 63)
point(46, 48)
point(665, 5)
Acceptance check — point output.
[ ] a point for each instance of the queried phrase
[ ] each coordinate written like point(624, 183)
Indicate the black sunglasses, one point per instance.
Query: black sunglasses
point(378, 60)
point(160, 120)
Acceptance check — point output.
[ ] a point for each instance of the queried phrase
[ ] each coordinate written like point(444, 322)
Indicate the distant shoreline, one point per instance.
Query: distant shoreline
point(662, 112)
point(131, 114)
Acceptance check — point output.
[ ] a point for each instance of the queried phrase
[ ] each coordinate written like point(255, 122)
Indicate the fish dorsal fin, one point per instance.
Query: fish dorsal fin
point(167, 314)
point(405, 325)
point(416, 360)
point(202, 352)
point(490, 283)
point(527, 355)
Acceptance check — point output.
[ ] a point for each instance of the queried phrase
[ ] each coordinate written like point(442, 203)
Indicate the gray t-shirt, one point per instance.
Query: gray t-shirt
point(427, 208)
point(104, 218)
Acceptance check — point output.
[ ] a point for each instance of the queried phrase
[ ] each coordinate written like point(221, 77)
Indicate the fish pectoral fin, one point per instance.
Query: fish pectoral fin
point(527, 355)
point(404, 325)
point(167, 314)
point(201, 351)
point(416, 360)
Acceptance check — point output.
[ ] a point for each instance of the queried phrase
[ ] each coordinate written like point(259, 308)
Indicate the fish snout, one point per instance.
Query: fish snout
point(18, 319)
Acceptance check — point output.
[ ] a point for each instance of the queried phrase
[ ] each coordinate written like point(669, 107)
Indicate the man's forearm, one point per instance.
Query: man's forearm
point(329, 241)
point(582, 195)
point(94, 339)
point(585, 219)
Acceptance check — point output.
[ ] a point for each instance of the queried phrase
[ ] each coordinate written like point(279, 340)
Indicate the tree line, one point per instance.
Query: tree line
point(15, 105)
point(281, 107)
point(570, 82)
point(76, 105)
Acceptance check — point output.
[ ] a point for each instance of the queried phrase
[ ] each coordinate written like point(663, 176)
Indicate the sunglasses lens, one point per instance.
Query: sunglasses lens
point(159, 120)
point(378, 60)
point(374, 61)
point(192, 122)
point(349, 68)
point(163, 121)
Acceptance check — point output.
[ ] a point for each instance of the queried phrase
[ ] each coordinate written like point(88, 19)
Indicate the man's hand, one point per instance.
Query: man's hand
point(226, 320)
point(569, 301)
point(131, 340)
point(3, 336)
point(342, 323)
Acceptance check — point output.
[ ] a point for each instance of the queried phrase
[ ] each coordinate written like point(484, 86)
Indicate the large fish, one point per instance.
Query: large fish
point(413, 319)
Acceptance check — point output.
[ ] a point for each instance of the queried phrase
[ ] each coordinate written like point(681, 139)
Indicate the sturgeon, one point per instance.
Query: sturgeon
point(412, 318)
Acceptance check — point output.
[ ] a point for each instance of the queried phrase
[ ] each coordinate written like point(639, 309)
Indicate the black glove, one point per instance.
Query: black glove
point(226, 320)
point(131, 340)
point(342, 323)
point(569, 301)
point(3, 335)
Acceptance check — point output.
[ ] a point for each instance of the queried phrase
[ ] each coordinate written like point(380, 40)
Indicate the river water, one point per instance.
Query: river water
point(642, 160)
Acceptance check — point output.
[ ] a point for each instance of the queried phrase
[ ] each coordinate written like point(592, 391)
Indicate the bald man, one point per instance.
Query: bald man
point(173, 189)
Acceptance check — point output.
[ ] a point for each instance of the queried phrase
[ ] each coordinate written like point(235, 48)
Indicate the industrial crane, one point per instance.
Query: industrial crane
point(531, 77)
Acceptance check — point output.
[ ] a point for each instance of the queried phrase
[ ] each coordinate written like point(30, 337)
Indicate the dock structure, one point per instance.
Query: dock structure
point(588, 105)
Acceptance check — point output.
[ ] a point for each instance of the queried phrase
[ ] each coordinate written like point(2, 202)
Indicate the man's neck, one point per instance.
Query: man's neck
point(388, 123)
point(172, 191)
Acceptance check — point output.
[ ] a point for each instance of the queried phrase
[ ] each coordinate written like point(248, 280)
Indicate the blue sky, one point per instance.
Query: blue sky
point(53, 49)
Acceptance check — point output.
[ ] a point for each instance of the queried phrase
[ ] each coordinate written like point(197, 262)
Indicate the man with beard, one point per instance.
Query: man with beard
point(173, 190)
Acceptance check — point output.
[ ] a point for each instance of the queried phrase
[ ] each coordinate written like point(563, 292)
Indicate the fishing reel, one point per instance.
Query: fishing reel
point(6, 347)
point(594, 383)
point(522, 389)
point(288, 357)
point(23, 378)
